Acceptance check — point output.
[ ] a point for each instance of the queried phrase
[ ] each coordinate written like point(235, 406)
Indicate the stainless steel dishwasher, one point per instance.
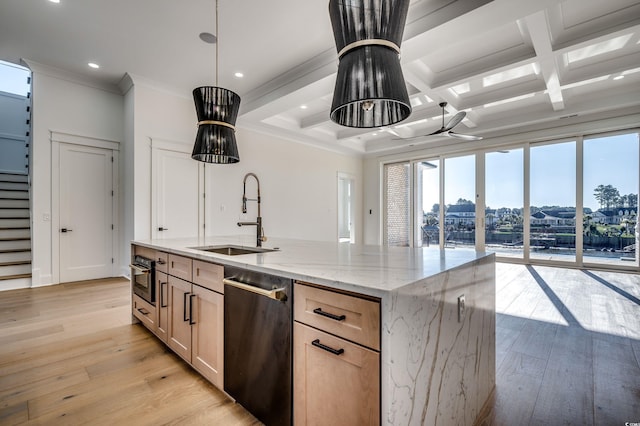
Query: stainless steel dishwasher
point(258, 326)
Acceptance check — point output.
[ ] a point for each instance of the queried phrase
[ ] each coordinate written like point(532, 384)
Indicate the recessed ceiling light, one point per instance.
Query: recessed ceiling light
point(239, 75)
point(93, 65)
point(54, 1)
point(618, 77)
point(303, 107)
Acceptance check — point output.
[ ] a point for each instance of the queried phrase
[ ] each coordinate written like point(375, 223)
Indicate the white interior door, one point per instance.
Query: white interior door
point(86, 212)
point(176, 186)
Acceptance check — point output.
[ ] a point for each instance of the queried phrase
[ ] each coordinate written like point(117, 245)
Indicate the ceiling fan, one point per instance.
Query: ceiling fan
point(446, 129)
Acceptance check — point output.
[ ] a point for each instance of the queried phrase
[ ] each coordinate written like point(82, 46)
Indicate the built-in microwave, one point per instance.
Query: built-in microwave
point(143, 278)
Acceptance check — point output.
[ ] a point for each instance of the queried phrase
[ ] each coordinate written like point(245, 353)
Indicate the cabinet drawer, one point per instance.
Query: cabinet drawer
point(145, 312)
point(162, 261)
point(350, 317)
point(208, 275)
point(180, 267)
point(143, 251)
point(335, 381)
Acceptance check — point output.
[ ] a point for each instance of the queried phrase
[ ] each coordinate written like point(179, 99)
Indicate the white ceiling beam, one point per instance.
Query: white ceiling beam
point(538, 30)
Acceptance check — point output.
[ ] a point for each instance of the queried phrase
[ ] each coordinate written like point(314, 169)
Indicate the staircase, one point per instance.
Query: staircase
point(15, 231)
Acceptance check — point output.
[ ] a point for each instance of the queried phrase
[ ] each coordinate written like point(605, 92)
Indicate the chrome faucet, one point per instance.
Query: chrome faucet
point(258, 223)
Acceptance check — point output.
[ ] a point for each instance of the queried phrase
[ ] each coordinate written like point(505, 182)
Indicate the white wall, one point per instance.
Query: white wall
point(69, 107)
point(162, 115)
point(299, 188)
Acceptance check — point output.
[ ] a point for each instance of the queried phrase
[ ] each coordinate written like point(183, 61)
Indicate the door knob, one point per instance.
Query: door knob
point(162, 229)
point(66, 230)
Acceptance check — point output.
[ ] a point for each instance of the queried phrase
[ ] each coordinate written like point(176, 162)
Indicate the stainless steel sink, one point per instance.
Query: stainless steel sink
point(231, 250)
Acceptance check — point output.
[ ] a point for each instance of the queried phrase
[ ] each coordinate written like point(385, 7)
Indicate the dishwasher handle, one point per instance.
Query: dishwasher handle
point(276, 294)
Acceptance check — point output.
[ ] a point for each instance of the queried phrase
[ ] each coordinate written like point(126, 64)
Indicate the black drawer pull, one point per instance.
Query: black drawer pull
point(317, 344)
point(184, 306)
point(162, 302)
point(191, 321)
point(319, 311)
point(143, 311)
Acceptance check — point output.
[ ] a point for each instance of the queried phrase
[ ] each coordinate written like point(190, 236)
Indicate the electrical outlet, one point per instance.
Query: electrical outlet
point(461, 308)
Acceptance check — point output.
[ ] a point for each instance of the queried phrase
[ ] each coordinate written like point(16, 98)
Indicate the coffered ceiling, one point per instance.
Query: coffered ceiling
point(510, 64)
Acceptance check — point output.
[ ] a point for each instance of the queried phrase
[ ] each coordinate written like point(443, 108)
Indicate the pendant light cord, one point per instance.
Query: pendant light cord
point(217, 42)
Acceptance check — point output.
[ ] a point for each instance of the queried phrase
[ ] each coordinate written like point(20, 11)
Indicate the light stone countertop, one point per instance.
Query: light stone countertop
point(368, 269)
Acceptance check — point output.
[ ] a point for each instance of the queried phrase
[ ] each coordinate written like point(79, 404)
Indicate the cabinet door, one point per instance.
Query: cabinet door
point(334, 388)
point(179, 333)
point(162, 305)
point(207, 336)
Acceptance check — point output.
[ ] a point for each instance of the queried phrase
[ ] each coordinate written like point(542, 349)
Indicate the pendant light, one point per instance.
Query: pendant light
point(370, 90)
point(217, 111)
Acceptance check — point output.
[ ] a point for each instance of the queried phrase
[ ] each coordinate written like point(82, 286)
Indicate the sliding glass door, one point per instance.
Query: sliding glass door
point(459, 200)
point(610, 193)
point(504, 200)
point(552, 208)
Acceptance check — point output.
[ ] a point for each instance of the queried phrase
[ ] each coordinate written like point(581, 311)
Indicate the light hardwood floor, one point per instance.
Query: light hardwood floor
point(568, 352)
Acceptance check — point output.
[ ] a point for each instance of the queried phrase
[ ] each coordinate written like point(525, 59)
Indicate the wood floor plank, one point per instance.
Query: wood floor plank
point(14, 414)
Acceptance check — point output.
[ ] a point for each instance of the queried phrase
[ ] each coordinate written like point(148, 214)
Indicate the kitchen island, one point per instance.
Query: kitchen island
point(437, 315)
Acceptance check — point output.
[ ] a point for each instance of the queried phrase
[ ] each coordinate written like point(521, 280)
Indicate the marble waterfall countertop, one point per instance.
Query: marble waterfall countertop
point(368, 269)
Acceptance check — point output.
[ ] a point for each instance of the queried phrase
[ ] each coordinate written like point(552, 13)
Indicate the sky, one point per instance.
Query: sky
point(13, 79)
point(609, 160)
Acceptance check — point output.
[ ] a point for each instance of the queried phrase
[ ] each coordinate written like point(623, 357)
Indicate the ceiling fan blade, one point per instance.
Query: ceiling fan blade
point(455, 120)
point(437, 132)
point(463, 137)
point(410, 138)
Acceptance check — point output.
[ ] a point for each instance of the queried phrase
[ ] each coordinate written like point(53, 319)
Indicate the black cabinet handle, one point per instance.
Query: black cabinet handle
point(191, 322)
point(162, 302)
point(317, 344)
point(184, 304)
point(160, 262)
point(143, 311)
point(319, 311)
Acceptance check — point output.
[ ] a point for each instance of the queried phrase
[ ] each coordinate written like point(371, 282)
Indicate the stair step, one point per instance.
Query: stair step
point(13, 177)
point(15, 256)
point(11, 213)
point(23, 222)
point(14, 194)
point(15, 263)
point(15, 245)
point(14, 233)
point(13, 270)
point(14, 186)
point(15, 277)
point(14, 202)
point(15, 250)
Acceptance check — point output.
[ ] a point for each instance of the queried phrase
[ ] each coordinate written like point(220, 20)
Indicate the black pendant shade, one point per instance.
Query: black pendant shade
point(217, 110)
point(370, 89)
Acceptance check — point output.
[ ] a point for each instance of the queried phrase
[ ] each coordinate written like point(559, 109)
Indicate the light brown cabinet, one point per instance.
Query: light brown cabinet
point(336, 378)
point(196, 326)
point(188, 316)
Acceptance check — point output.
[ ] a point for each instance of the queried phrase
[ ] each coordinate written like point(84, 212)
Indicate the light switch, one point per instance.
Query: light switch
point(46, 217)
